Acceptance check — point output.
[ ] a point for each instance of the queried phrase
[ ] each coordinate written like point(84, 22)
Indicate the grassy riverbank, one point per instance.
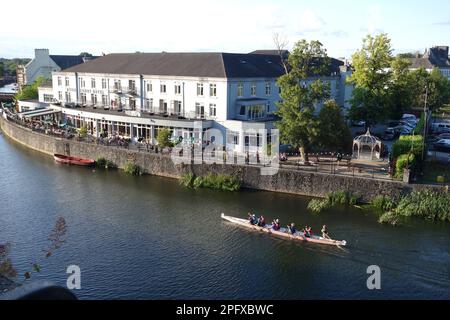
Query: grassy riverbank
point(425, 204)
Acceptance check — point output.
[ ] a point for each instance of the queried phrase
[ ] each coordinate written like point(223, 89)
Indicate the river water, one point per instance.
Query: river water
point(149, 238)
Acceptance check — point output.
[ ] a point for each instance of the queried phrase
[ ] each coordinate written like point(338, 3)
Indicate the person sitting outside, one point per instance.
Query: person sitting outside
point(291, 228)
point(276, 225)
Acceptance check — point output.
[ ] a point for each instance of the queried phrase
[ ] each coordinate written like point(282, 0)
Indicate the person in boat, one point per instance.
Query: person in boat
point(291, 228)
point(325, 232)
point(251, 218)
point(261, 221)
point(276, 225)
point(308, 232)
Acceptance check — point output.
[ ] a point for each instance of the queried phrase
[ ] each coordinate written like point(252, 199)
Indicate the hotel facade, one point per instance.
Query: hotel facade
point(133, 95)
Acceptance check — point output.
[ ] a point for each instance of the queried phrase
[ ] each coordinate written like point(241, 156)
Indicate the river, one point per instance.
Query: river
point(149, 238)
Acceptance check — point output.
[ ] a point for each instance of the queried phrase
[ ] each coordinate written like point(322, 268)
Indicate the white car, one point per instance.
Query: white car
point(409, 118)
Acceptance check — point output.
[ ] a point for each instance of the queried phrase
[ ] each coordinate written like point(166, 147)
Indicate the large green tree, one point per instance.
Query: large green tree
point(371, 78)
point(31, 91)
point(333, 133)
point(300, 98)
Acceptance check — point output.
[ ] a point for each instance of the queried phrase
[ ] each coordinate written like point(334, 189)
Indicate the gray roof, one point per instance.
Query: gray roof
point(199, 64)
point(434, 57)
point(66, 61)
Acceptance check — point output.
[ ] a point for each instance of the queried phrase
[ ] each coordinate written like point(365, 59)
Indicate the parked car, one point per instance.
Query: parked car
point(401, 129)
point(389, 134)
point(408, 125)
point(409, 118)
point(359, 123)
point(443, 136)
point(441, 127)
point(442, 145)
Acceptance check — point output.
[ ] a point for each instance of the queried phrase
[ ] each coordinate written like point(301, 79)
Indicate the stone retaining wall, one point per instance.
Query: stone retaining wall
point(286, 181)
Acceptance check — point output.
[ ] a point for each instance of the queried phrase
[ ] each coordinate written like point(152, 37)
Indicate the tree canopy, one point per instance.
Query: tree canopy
point(31, 91)
point(302, 92)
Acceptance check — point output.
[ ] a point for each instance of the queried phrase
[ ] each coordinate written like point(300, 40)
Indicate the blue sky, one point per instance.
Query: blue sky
point(212, 25)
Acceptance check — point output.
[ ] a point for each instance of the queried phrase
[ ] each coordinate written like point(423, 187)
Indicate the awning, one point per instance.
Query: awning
point(40, 113)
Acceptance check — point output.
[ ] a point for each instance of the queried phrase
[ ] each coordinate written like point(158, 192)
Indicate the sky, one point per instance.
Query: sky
point(107, 26)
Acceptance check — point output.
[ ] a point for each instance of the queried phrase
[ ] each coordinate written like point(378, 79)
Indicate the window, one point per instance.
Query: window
point(213, 90)
point(149, 87)
point(117, 85)
point(162, 106)
point(268, 88)
point(104, 98)
point(82, 83)
point(104, 84)
point(177, 107)
point(240, 90)
point(163, 88)
point(93, 83)
point(68, 98)
point(148, 104)
point(59, 81)
point(177, 89)
point(48, 97)
point(60, 96)
point(199, 110)
point(253, 89)
point(233, 137)
point(199, 89)
point(67, 81)
point(94, 99)
point(132, 85)
point(83, 98)
point(212, 110)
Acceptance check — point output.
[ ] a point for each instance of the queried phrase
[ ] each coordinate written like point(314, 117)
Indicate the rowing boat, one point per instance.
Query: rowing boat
point(73, 160)
point(300, 236)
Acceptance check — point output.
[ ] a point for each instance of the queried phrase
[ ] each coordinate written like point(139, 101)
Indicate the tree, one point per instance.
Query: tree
point(163, 138)
point(333, 132)
point(31, 91)
point(299, 100)
point(371, 77)
point(402, 89)
point(438, 90)
point(85, 54)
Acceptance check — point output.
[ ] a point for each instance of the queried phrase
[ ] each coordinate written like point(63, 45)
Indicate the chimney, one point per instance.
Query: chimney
point(41, 53)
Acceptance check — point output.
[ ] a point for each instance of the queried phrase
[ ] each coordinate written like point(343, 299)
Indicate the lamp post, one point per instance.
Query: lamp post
point(426, 121)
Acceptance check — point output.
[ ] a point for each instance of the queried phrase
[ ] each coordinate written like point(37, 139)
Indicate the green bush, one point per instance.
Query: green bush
point(133, 169)
point(105, 164)
point(420, 125)
point(342, 197)
point(211, 181)
point(187, 180)
point(318, 205)
point(404, 161)
point(389, 218)
point(405, 144)
point(163, 138)
point(383, 203)
point(427, 204)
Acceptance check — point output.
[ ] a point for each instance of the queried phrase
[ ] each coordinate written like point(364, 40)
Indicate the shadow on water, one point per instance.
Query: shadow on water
point(148, 237)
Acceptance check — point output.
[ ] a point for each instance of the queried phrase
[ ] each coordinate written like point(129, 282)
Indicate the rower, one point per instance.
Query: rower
point(261, 221)
point(276, 224)
point(251, 218)
point(291, 228)
point(308, 232)
point(325, 232)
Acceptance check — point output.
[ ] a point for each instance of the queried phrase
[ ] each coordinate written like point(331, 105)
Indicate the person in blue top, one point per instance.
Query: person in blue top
point(291, 228)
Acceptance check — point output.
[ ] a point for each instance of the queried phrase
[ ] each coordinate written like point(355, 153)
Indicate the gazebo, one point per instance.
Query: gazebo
point(367, 147)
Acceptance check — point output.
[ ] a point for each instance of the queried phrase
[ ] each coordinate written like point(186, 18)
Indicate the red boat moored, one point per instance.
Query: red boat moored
point(73, 160)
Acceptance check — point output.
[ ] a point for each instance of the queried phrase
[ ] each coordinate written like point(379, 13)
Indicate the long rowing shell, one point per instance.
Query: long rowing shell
point(299, 236)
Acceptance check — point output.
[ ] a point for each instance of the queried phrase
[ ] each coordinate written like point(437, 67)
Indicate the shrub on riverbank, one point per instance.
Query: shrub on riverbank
point(333, 199)
point(133, 169)
point(425, 204)
point(404, 161)
point(212, 181)
point(383, 203)
point(103, 163)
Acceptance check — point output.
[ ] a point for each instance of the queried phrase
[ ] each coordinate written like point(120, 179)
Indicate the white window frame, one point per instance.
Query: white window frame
point(240, 89)
point(200, 88)
point(268, 88)
point(213, 90)
point(253, 89)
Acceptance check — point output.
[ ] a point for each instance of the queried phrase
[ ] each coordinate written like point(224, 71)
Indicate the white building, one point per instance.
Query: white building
point(43, 64)
point(135, 94)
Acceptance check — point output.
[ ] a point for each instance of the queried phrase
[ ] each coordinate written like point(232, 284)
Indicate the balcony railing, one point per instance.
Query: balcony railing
point(132, 91)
